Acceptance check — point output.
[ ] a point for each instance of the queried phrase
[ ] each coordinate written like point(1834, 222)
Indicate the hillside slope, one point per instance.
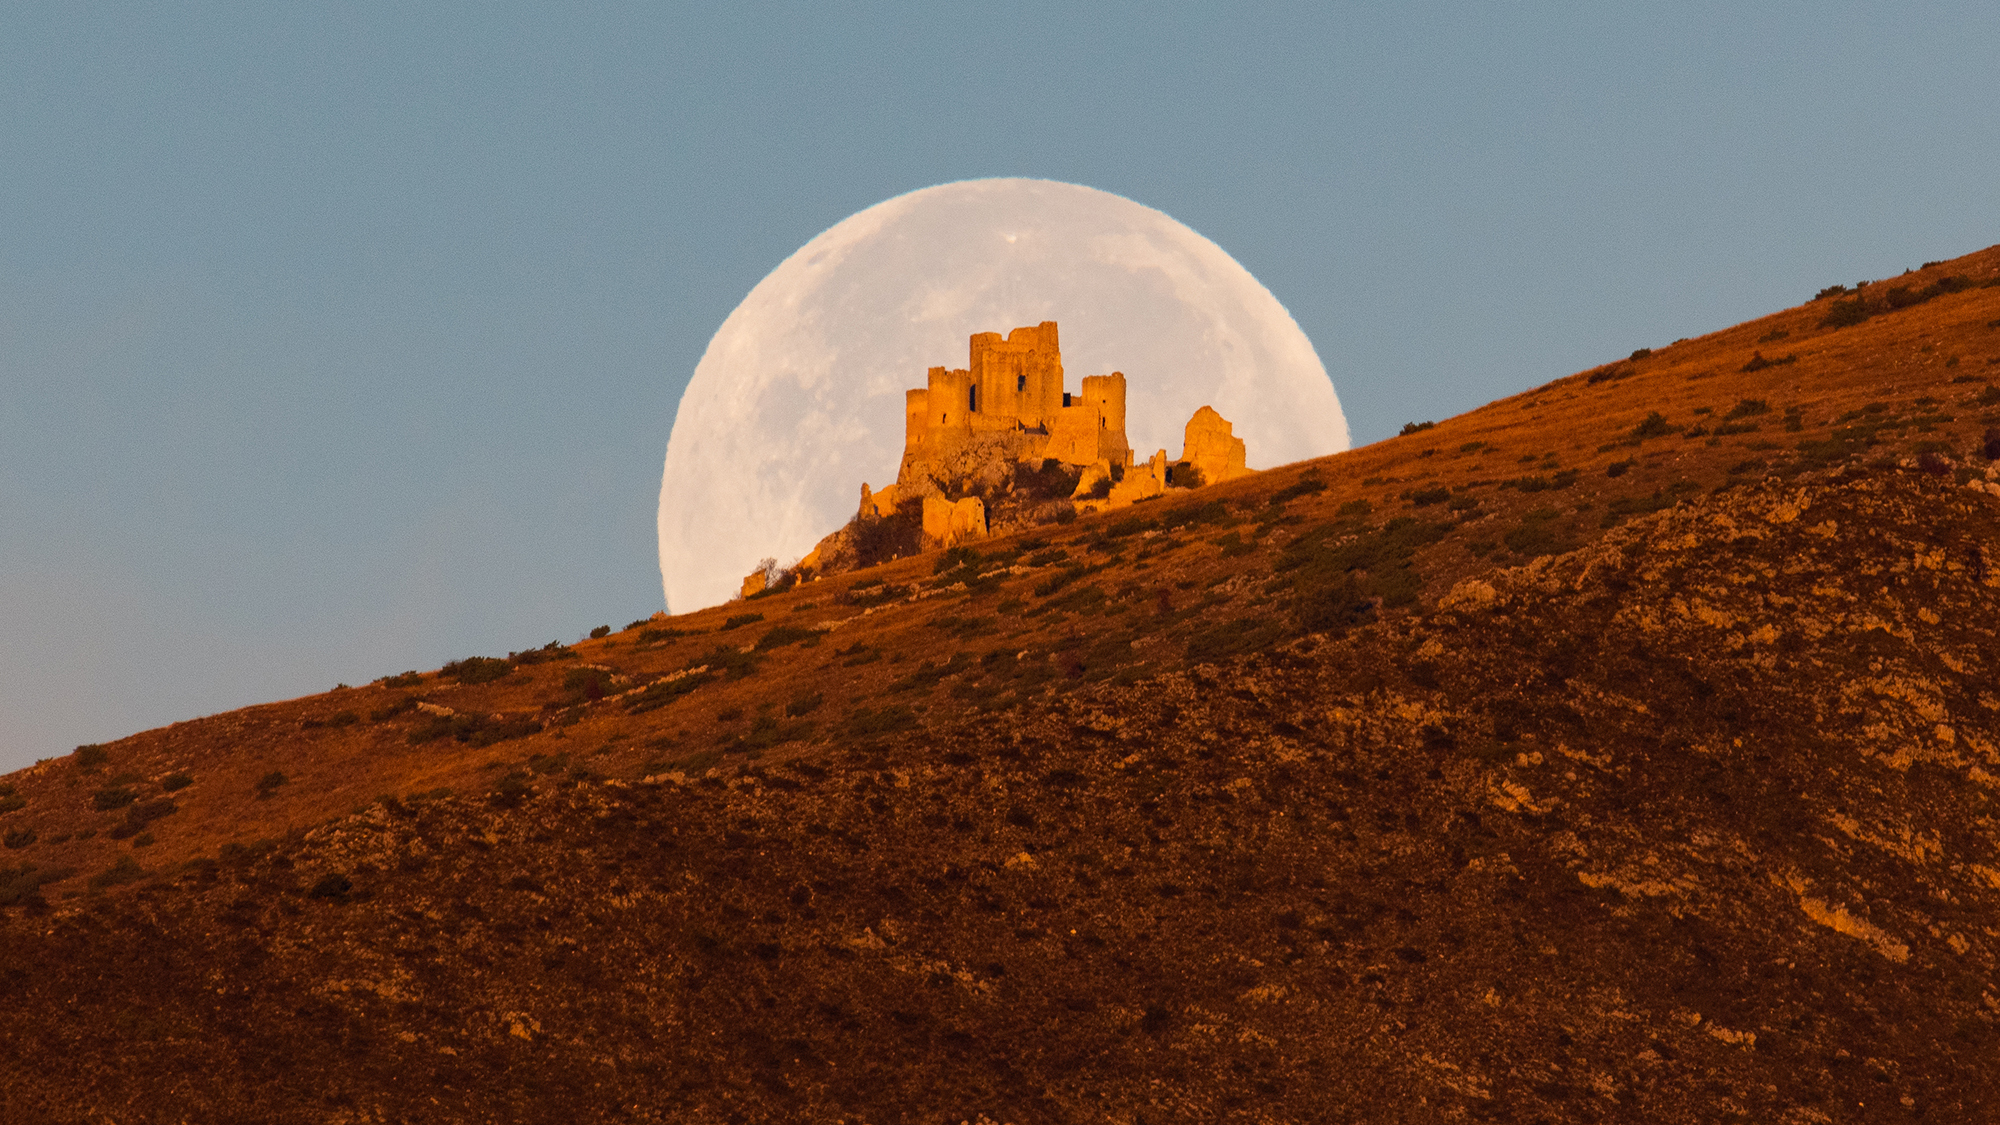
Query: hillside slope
point(1557, 762)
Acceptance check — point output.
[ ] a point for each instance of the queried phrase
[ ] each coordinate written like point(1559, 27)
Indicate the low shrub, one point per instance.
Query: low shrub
point(784, 635)
point(1619, 468)
point(1415, 428)
point(18, 838)
point(1747, 408)
point(116, 797)
point(803, 705)
point(554, 650)
point(865, 721)
point(174, 782)
point(1429, 496)
point(271, 782)
point(1641, 353)
point(91, 756)
point(477, 669)
point(1654, 425)
point(1554, 482)
point(397, 705)
point(582, 685)
point(406, 680)
point(126, 870)
point(474, 730)
point(1304, 486)
point(337, 719)
point(1759, 363)
point(601, 632)
point(740, 620)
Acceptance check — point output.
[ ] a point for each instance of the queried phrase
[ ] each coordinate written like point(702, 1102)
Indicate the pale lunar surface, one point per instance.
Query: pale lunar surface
point(799, 398)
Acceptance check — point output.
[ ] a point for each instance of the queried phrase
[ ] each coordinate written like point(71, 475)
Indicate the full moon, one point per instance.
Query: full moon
point(799, 397)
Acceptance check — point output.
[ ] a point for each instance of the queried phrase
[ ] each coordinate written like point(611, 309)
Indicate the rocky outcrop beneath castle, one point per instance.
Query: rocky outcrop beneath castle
point(948, 523)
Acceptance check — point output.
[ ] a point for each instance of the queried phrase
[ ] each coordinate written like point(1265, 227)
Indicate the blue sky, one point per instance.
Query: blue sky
point(342, 339)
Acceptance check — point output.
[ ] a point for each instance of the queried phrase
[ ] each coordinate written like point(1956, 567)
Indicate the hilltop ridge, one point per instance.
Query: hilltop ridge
point(1622, 749)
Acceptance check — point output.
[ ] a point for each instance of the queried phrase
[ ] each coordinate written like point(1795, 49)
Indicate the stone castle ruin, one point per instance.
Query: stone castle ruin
point(1000, 444)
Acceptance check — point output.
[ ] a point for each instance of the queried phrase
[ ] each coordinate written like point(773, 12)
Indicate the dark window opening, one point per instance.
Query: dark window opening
point(1065, 398)
point(972, 398)
point(1020, 382)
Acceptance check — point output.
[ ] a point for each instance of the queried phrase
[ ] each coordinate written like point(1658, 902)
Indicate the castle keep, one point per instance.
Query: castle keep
point(1015, 386)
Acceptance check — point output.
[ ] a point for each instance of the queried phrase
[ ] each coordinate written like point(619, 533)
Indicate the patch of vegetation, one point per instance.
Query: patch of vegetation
point(1850, 310)
point(91, 756)
point(1051, 480)
point(965, 628)
point(1759, 363)
point(1560, 480)
point(11, 800)
point(408, 679)
point(768, 731)
point(1619, 468)
point(1774, 335)
point(661, 634)
point(399, 705)
point(868, 595)
point(803, 705)
point(1129, 526)
point(477, 670)
point(880, 539)
point(740, 620)
point(1641, 353)
point(512, 788)
point(585, 685)
point(115, 797)
point(601, 632)
point(866, 721)
point(1309, 485)
point(783, 635)
point(126, 870)
point(337, 719)
point(474, 730)
point(24, 884)
point(270, 783)
point(140, 815)
point(18, 838)
point(1610, 372)
point(1200, 515)
point(1430, 496)
point(554, 650)
point(1654, 425)
point(1336, 574)
point(1623, 508)
point(1232, 638)
point(1415, 428)
point(1537, 535)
